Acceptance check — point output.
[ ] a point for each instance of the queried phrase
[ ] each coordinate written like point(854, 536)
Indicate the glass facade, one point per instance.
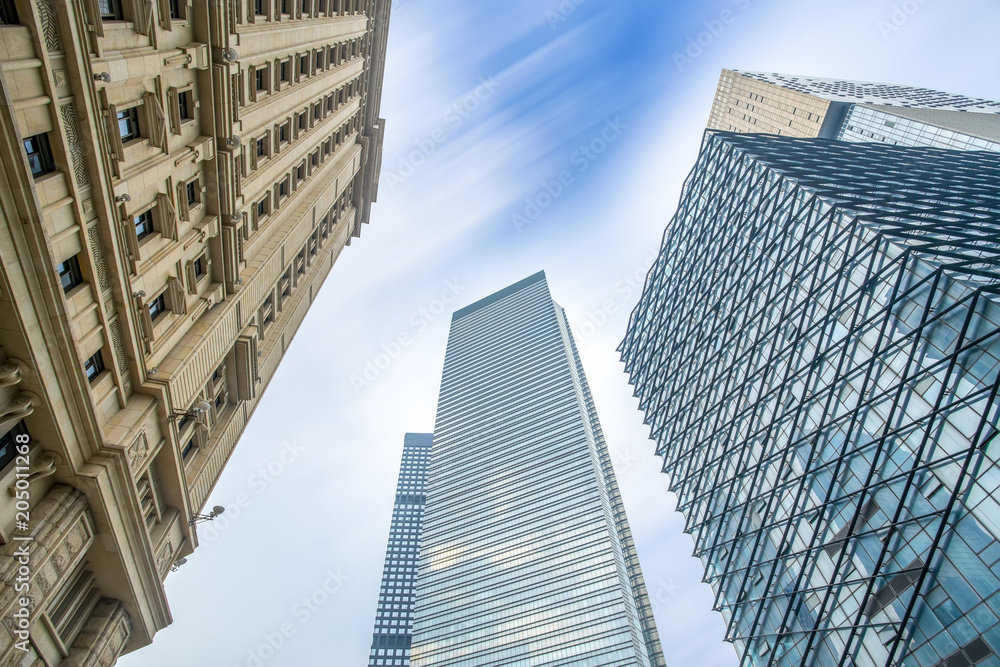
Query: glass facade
point(866, 124)
point(817, 353)
point(527, 558)
point(394, 618)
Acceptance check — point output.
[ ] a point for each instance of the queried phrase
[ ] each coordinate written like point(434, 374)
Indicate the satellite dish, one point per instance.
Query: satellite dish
point(218, 509)
point(230, 55)
point(202, 406)
point(103, 76)
point(234, 142)
point(180, 561)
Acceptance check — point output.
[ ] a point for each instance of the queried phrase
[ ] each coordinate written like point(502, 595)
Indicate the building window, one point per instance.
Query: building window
point(157, 307)
point(175, 9)
point(199, 268)
point(111, 10)
point(285, 7)
point(8, 443)
point(283, 188)
point(283, 131)
point(260, 76)
point(285, 72)
point(191, 192)
point(304, 65)
point(39, 155)
point(188, 449)
point(128, 124)
point(262, 147)
point(258, 8)
point(69, 273)
point(8, 13)
point(94, 366)
point(266, 313)
point(263, 208)
point(143, 224)
point(185, 104)
point(303, 121)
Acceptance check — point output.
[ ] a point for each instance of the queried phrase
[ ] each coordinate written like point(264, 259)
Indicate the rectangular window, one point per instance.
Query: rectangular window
point(285, 72)
point(260, 77)
point(283, 188)
point(39, 155)
point(111, 10)
point(185, 104)
point(94, 366)
point(304, 65)
point(262, 208)
point(143, 224)
point(262, 147)
point(199, 268)
point(69, 273)
point(8, 443)
point(285, 6)
point(175, 9)
point(157, 307)
point(128, 124)
point(283, 131)
point(258, 8)
point(191, 190)
point(188, 449)
point(303, 122)
point(8, 13)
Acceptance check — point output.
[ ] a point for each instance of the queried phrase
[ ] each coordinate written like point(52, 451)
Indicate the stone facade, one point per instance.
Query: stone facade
point(178, 177)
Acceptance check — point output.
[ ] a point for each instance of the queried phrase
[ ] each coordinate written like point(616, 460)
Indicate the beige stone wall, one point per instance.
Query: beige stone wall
point(177, 180)
point(743, 104)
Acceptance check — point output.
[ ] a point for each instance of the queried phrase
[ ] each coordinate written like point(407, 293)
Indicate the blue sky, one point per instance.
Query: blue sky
point(520, 136)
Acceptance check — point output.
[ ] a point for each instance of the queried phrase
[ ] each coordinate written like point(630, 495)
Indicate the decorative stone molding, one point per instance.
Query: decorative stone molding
point(50, 28)
point(165, 558)
point(137, 452)
point(76, 145)
point(12, 371)
point(100, 263)
point(62, 531)
point(20, 407)
point(103, 638)
point(43, 465)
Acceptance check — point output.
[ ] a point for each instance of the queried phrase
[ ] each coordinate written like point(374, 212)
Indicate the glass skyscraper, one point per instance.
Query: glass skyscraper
point(817, 353)
point(394, 618)
point(527, 557)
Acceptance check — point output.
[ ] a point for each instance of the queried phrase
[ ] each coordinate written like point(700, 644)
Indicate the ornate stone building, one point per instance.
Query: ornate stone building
point(178, 177)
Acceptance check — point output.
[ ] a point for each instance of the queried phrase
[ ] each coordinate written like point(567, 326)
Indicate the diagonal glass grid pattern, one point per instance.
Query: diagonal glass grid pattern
point(816, 352)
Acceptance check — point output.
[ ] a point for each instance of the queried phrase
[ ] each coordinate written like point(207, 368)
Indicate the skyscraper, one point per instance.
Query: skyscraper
point(817, 352)
point(809, 107)
point(178, 178)
point(526, 556)
point(394, 617)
